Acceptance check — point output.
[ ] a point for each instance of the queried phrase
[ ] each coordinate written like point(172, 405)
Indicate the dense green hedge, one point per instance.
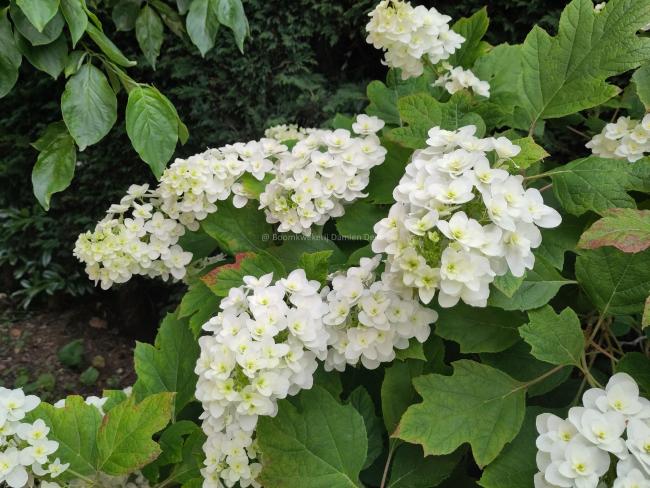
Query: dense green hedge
point(305, 62)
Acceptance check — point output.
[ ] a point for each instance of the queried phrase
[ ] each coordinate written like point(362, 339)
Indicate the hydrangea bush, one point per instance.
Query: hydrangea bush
point(420, 295)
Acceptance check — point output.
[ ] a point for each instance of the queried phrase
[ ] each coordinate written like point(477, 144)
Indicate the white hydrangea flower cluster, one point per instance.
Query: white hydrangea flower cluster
point(613, 425)
point(262, 346)
point(25, 450)
point(460, 219)
point(140, 235)
point(407, 34)
point(322, 171)
point(624, 139)
point(135, 238)
point(455, 79)
point(368, 319)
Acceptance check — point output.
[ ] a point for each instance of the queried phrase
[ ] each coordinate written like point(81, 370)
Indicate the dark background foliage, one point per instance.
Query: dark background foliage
point(305, 61)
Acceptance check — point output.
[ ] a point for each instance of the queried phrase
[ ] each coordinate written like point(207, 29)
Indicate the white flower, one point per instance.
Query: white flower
point(367, 124)
point(457, 78)
point(580, 465)
point(15, 404)
point(261, 347)
point(624, 139)
point(407, 34)
point(368, 319)
point(12, 471)
point(638, 442)
point(620, 395)
point(633, 479)
point(602, 429)
point(458, 222)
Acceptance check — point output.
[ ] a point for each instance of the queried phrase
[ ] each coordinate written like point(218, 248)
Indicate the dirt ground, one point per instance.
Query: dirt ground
point(31, 347)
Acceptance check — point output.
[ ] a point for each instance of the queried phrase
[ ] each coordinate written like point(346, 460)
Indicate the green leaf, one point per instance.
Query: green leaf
point(75, 428)
point(361, 400)
point(168, 366)
point(149, 33)
point(519, 363)
point(625, 229)
point(76, 17)
point(192, 461)
point(89, 376)
point(415, 350)
point(383, 102)
point(39, 12)
point(556, 242)
point(411, 469)
point(385, 177)
point(124, 14)
point(477, 404)
point(222, 279)
point(107, 46)
point(597, 184)
point(422, 112)
point(238, 229)
point(322, 444)
point(171, 18)
point(616, 282)
point(199, 304)
point(359, 219)
point(114, 398)
point(641, 79)
point(50, 32)
point(516, 465)
point(397, 391)
point(554, 338)
point(316, 265)
point(472, 29)
point(530, 153)
point(487, 330)
point(539, 285)
point(508, 284)
point(290, 251)
point(152, 127)
point(496, 67)
point(202, 24)
point(172, 440)
point(183, 6)
point(231, 14)
point(89, 106)
point(55, 164)
point(51, 58)
point(10, 57)
point(124, 438)
point(383, 97)
point(637, 365)
point(645, 318)
point(71, 354)
point(567, 73)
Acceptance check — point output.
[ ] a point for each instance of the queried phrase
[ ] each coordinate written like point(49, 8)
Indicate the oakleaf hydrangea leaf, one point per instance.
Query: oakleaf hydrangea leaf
point(124, 439)
point(168, 366)
point(597, 184)
point(477, 404)
point(490, 330)
point(623, 228)
point(554, 338)
point(616, 282)
point(567, 73)
point(321, 443)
